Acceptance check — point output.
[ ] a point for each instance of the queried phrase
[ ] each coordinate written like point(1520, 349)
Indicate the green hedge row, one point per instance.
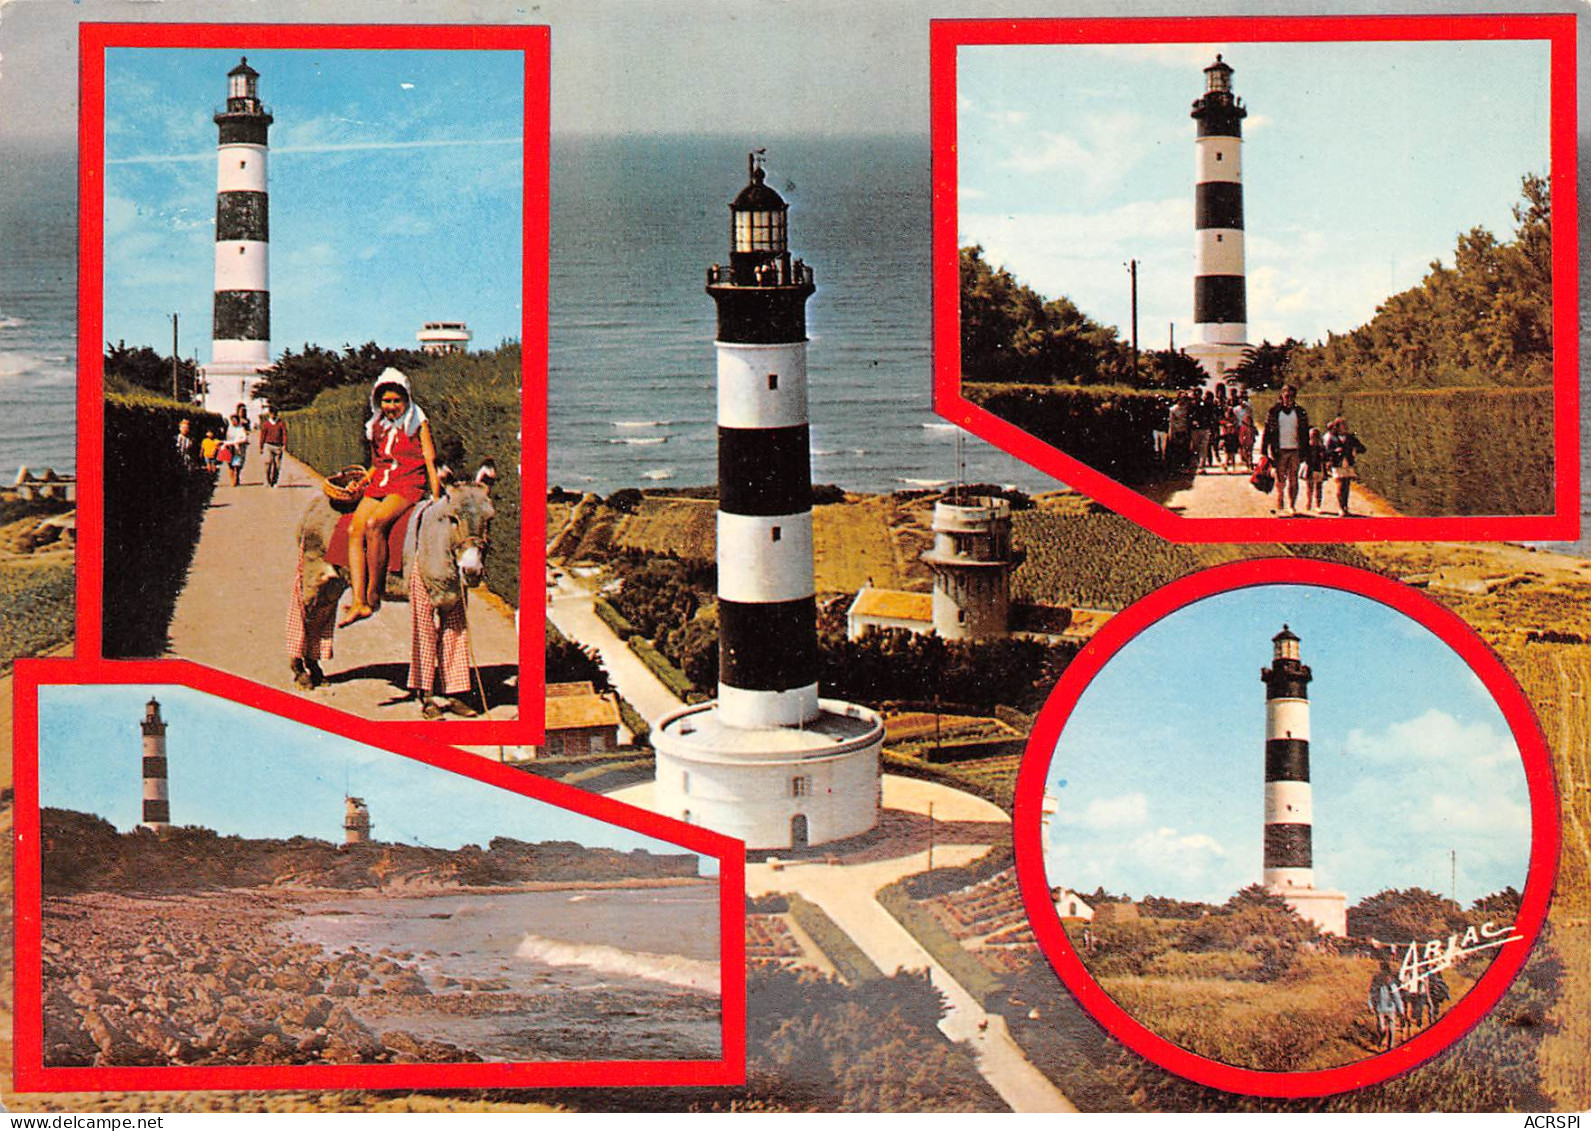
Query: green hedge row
point(154, 508)
point(1447, 451)
point(966, 749)
point(473, 405)
point(846, 957)
point(671, 677)
point(931, 935)
point(614, 619)
point(1109, 429)
point(640, 730)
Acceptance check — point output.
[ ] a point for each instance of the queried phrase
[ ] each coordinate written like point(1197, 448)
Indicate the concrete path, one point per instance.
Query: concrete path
point(846, 892)
point(571, 610)
point(231, 613)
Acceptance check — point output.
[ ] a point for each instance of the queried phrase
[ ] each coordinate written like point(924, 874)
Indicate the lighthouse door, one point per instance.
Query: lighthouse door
point(798, 831)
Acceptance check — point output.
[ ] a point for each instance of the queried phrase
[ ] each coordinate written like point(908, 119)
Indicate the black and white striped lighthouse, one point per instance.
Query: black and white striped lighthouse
point(767, 642)
point(768, 762)
point(1289, 813)
point(1220, 304)
point(157, 803)
point(240, 346)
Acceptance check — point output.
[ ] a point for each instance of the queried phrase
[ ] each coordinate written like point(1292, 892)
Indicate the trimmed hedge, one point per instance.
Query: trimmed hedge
point(154, 508)
point(846, 957)
point(611, 617)
point(966, 749)
point(670, 676)
point(931, 935)
point(640, 730)
point(1446, 451)
point(1109, 429)
point(472, 401)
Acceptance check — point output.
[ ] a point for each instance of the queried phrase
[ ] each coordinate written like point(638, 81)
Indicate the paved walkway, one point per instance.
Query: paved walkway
point(846, 893)
point(231, 613)
point(570, 609)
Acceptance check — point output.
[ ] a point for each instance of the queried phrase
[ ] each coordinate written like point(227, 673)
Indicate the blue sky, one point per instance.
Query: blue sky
point(1163, 759)
point(239, 770)
point(395, 186)
point(1362, 162)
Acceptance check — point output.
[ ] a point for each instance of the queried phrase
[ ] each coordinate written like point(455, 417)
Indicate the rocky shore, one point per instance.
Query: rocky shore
point(211, 979)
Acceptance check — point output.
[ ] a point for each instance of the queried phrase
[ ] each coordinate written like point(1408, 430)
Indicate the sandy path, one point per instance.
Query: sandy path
point(1223, 494)
point(231, 613)
point(571, 610)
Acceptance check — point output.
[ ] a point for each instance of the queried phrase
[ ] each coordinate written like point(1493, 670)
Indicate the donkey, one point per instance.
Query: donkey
point(444, 552)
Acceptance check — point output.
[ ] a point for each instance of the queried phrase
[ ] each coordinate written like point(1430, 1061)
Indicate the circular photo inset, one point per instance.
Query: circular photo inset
point(1284, 830)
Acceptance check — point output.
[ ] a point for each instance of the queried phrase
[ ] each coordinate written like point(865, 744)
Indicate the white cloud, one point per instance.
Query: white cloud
point(1184, 857)
point(1437, 736)
point(1113, 812)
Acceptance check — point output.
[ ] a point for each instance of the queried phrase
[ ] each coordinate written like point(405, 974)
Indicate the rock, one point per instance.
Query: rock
point(407, 983)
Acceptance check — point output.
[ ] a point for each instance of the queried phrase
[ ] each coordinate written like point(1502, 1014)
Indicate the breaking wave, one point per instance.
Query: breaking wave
point(674, 969)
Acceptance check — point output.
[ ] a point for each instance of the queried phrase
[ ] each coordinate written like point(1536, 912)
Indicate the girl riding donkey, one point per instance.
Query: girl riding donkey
point(443, 553)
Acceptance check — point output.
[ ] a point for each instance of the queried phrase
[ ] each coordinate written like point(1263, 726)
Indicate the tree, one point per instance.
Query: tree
point(1265, 366)
point(1409, 915)
point(298, 378)
point(143, 368)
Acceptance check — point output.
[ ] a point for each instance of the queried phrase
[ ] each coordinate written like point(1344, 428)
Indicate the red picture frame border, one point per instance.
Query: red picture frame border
point(1027, 834)
point(534, 42)
point(946, 36)
point(28, 1026)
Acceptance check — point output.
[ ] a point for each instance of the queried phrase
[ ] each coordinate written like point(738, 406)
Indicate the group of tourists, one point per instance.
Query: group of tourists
point(231, 450)
point(1202, 432)
point(1398, 1010)
point(1212, 431)
point(1297, 454)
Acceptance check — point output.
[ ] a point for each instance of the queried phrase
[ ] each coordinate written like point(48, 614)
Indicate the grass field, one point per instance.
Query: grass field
point(37, 603)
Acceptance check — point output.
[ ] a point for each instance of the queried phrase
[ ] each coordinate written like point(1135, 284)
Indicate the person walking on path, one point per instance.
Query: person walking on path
point(1342, 448)
point(1386, 1004)
point(187, 451)
point(237, 441)
point(1286, 432)
point(1314, 470)
point(402, 471)
point(273, 442)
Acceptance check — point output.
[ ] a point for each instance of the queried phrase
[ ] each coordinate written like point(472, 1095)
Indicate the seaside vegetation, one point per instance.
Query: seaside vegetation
point(1250, 983)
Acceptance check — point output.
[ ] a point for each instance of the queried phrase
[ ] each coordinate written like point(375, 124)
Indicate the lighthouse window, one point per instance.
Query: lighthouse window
point(801, 786)
point(1218, 237)
point(243, 164)
point(776, 533)
point(240, 251)
point(1218, 155)
point(685, 781)
point(773, 381)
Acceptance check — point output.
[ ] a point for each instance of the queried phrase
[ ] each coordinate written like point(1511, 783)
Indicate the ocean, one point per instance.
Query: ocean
point(605, 962)
point(635, 224)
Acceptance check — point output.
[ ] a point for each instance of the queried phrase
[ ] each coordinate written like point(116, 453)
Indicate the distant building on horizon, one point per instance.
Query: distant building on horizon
point(356, 821)
point(444, 337)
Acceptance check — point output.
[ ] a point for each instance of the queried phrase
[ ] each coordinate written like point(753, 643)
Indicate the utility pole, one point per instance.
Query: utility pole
point(176, 393)
point(930, 836)
point(1132, 269)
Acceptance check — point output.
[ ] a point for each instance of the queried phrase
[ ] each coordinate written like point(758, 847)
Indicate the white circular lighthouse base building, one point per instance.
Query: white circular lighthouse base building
point(772, 787)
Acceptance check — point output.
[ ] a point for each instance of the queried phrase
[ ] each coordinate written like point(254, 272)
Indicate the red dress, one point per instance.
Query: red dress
point(399, 463)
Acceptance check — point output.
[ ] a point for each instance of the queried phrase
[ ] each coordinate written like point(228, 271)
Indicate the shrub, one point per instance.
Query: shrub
point(671, 677)
point(37, 606)
point(962, 965)
point(1111, 430)
point(611, 617)
point(154, 508)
